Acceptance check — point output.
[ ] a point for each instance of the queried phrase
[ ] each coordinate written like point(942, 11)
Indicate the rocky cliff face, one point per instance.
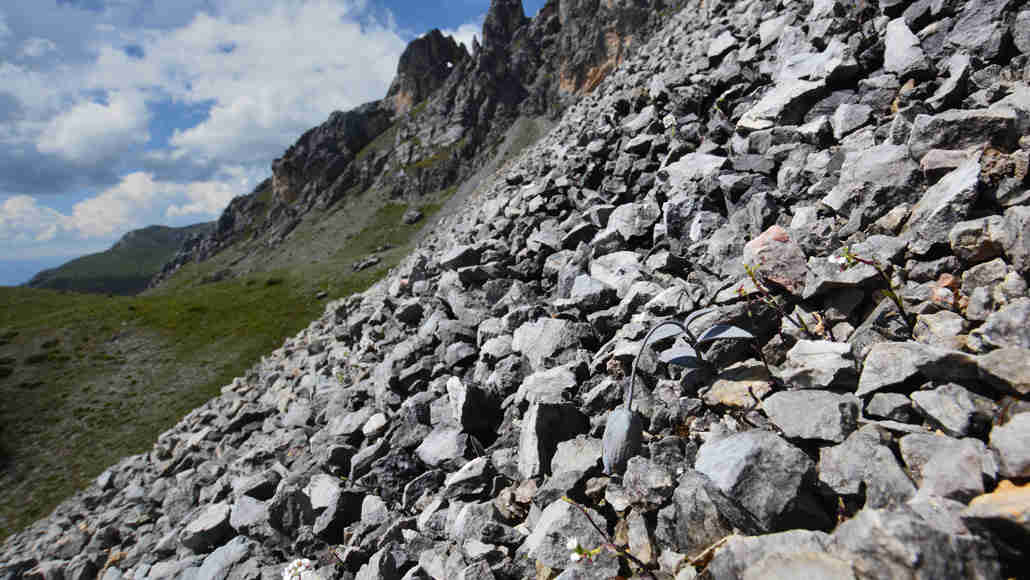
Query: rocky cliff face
point(847, 182)
point(444, 114)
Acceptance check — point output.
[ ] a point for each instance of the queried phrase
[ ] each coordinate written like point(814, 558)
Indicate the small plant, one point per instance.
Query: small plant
point(301, 569)
point(623, 432)
point(581, 554)
point(767, 297)
point(847, 259)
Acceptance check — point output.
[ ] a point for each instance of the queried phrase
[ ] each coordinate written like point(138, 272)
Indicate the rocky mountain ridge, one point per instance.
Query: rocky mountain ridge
point(847, 182)
point(442, 119)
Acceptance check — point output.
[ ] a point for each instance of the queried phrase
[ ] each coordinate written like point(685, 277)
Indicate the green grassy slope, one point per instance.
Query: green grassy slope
point(86, 379)
point(124, 269)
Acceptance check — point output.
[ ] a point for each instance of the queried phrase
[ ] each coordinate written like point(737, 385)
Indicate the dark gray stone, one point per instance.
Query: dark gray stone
point(902, 543)
point(894, 406)
point(766, 474)
point(740, 553)
point(820, 364)
point(813, 414)
point(208, 529)
point(544, 426)
point(942, 206)
point(700, 514)
point(220, 563)
point(902, 54)
point(955, 410)
point(891, 364)
point(1011, 441)
point(947, 467)
point(960, 129)
point(865, 465)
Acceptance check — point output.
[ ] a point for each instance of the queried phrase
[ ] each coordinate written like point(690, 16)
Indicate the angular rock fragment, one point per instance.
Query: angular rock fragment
point(813, 414)
point(865, 463)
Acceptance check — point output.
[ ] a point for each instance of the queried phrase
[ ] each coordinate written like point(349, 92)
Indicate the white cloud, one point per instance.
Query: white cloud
point(119, 208)
point(91, 132)
point(268, 72)
point(36, 47)
point(466, 32)
point(23, 220)
point(209, 198)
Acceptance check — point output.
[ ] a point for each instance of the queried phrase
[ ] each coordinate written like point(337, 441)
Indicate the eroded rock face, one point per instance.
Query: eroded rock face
point(431, 426)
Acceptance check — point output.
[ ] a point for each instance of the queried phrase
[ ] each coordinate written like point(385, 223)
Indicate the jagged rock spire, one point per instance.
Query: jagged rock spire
point(501, 22)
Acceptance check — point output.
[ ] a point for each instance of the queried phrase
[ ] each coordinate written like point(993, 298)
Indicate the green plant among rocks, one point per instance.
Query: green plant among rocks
point(623, 432)
point(579, 553)
point(848, 259)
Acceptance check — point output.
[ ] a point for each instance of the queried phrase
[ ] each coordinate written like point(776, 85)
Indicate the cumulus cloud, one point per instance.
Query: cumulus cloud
point(91, 132)
point(466, 32)
point(269, 73)
point(23, 220)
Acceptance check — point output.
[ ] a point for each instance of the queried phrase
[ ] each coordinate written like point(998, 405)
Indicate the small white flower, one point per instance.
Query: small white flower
point(837, 259)
point(575, 556)
point(297, 568)
point(572, 544)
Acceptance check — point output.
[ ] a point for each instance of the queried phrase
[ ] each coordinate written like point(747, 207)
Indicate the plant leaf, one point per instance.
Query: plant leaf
point(665, 331)
point(682, 355)
point(723, 331)
point(695, 314)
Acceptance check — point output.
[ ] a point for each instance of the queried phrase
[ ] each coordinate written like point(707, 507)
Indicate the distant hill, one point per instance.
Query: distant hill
point(124, 269)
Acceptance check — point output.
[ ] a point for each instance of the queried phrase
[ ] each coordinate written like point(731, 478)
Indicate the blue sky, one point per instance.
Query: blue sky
point(117, 114)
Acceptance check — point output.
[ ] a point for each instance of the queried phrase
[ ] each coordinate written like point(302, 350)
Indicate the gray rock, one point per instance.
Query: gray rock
point(979, 28)
point(892, 364)
point(1007, 327)
point(774, 493)
point(1007, 369)
point(902, 543)
point(955, 410)
point(461, 257)
point(1011, 441)
point(813, 414)
point(459, 353)
point(814, 565)
point(1017, 237)
point(472, 408)
point(544, 341)
point(220, 563)
point(700, 514)
point(940, 329)
point(902, 54)
point(579, 455)
point(691, 167)
point(872, 181)
point(865, 463)
point(554, 386)
point(942, 206)
point(208, 529)
point(381, 566)
point(960, 129)
point(894, 406)
point(952, 89)
point(740, 553)
point(721, 44)
point(947, 467)
point(634, 221)
point(559, 522)
point(786, 103)
point(645, 486)
point(848, 117)
point(590, 294)
point(473, 479)
point(445, 444)
point(544, 426)
point(820, 364)
point(978, 240)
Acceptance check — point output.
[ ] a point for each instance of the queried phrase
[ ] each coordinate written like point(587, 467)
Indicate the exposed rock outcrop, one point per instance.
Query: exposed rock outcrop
point(464, 396)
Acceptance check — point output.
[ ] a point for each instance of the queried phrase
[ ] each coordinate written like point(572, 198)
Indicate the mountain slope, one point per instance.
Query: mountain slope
point(126, 268)
point(445, 116)
point(801, 171)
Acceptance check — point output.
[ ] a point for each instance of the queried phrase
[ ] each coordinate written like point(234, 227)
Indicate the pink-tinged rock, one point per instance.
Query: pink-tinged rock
point(779, 258)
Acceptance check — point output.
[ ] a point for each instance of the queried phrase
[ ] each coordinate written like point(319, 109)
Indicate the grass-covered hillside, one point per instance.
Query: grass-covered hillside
point(124, 269)
point(86, 379)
